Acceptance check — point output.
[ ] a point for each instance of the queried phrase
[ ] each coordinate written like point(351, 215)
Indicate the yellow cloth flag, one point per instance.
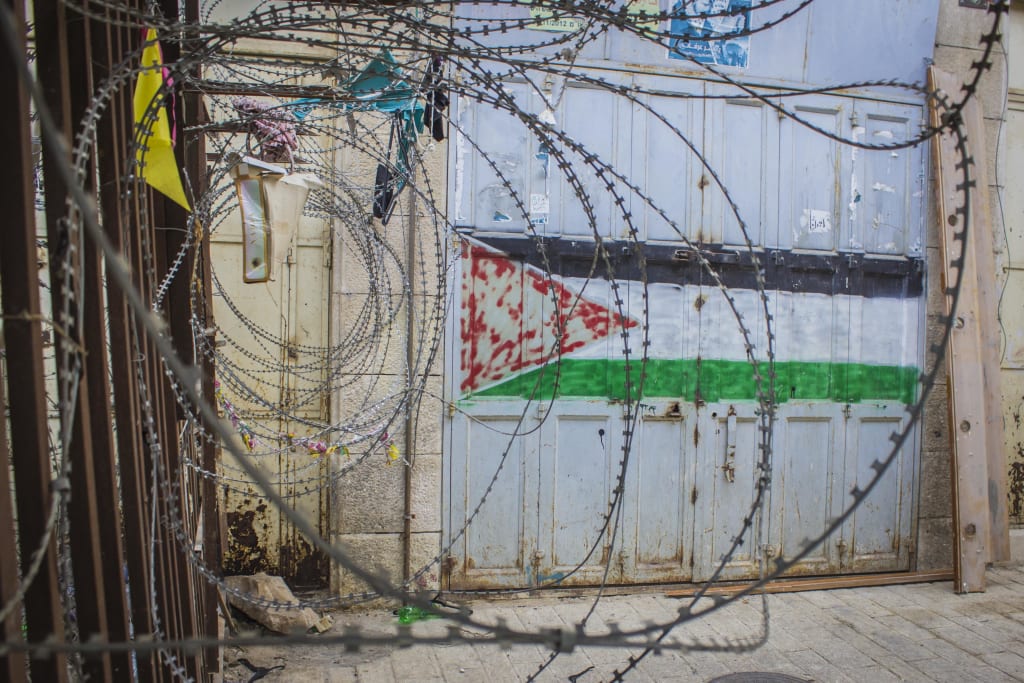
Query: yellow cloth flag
point(161, 169)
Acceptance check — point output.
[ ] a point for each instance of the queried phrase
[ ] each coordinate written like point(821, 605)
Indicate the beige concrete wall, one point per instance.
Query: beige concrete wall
point(369, 502)
point(364, 504)
point(1011, 265)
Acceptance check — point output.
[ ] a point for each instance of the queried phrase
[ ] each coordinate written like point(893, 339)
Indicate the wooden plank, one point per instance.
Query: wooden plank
point(980, 237)
point(972, 521)
point(822, 583)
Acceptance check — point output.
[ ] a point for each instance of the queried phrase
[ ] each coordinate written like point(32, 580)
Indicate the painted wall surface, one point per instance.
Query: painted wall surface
point(808, 47)
point(840, 237)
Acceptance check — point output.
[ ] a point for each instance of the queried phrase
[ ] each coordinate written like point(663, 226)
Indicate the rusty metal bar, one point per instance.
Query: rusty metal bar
point(127, 414)
point(823, 583)
point(83, 311)
point(224, 88)
point(19, 293)
point(172, 584)
point(104, 465)
point(213, 548)
point(113, 134)
point(208, 500)
point(65, 84)
point(13, 667)
point(178, 581)
point(166, 598)
point(170, 240)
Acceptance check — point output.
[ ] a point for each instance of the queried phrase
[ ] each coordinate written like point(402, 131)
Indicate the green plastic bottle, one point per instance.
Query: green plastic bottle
point(411, 613)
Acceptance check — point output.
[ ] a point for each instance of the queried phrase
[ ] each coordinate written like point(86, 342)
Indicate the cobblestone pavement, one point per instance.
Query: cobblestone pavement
point(920, 632)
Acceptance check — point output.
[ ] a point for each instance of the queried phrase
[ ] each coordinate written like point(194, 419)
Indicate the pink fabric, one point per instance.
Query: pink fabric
point(274, 132)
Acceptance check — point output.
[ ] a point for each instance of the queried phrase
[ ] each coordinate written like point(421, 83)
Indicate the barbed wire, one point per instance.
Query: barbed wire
point(255, 361)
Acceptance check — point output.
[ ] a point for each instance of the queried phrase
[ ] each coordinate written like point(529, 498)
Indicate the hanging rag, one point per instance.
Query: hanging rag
point(274, 132)
point(435, 97)
point(380, 86)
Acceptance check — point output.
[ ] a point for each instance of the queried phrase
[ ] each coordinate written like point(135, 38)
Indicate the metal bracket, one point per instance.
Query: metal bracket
point(449, 564)
point(729, 466)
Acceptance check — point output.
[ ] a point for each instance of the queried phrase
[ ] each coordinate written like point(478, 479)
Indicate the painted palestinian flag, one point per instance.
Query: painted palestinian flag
point(844, 331)
point(512, 313)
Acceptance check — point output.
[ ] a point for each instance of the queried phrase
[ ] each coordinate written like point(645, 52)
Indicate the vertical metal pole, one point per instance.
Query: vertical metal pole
point(209, 504)
point(178, 581)
point(112, 146)
point(105, 463)
point(19, 293)
point(410, 360)
point(13, 667)
point(66, 85)
point(165, 237)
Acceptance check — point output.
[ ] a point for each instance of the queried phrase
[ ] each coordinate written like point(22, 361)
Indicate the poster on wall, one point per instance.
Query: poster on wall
point(557, 21)
point(639, 9)
point(733, 18)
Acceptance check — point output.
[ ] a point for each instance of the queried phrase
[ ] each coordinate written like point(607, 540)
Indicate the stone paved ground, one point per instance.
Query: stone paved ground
point(920, 632)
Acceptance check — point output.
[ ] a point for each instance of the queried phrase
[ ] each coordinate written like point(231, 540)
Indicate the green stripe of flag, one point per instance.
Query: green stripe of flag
point(715, 380)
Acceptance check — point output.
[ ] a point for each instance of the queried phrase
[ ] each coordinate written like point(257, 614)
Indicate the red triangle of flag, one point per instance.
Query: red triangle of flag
point(509, 318)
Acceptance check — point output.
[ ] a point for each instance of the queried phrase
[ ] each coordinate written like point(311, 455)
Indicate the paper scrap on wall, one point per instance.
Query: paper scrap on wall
point(556, 21)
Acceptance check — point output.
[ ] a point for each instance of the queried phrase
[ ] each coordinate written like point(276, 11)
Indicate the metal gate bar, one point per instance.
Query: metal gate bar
point(13, 667)
point(23, 340)
point(112, 530)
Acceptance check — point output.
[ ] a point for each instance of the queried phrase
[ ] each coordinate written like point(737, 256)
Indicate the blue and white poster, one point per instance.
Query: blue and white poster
point(723, 18)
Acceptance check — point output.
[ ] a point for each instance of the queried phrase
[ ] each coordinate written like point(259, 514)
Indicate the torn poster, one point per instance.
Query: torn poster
point(694, 22)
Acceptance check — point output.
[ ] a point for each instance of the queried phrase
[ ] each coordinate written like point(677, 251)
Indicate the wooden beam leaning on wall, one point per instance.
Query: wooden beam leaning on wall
point(983, 244)
point(980, 519)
